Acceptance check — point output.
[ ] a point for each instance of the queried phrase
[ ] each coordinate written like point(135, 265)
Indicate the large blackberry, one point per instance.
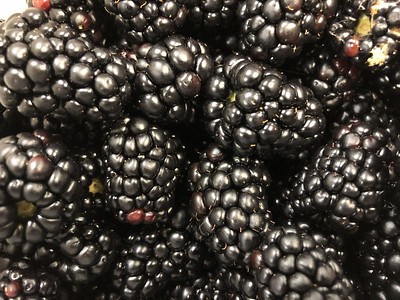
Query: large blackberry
point(23, 279)
point(229, 202)
point(208, 286)
point(83, 250)
point(210, 15)
point(253, 109)
point(386, 81)
point(152, 256)
point(169, 78)
point(290, 264)
point(344, 185)
point(85, 16)
point(47, 67)
point(40, 187)
point(378, 257)
point(143, 164)
point(141, 21)
point(367, 31)
point(275, 30)
point(332, 79)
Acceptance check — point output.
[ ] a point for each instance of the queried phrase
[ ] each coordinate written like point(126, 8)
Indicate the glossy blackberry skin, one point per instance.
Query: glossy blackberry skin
point(143, 166)
point(290, 264)
point(333, 79)
point(209, 286)
point(23, 279)
point(229, 203)
point(64, 71)
point(377, 257)
point(154, 255)
point(145, 21)
point(170, 76)
point(85, 16)
point(40, 187)
point(210, 15)
point(273, 31)
point(344, 186)
point(253, 109)
point(366, 32)
point(387, 81)
point(333, 244)
point(82, 251)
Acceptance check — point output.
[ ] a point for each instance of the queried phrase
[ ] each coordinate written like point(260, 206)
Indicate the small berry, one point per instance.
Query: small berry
point(13, 289)
point(42, 4)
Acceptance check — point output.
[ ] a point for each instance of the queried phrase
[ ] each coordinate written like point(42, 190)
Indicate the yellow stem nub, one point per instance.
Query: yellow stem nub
point(26, 210)
point(231, 97)
point(96, 187)
point(364, 26)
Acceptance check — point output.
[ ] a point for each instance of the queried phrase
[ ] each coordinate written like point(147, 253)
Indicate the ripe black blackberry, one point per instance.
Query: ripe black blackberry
point(143, 165)
point(152, 256)
point(229, 203)
point(333, 244)
point(333, 79)
point(92, 179)
point(290, 264)
point(367, 32)
point(378, 256)
point(386, 81)
point(48, 68)
point(276, 30)
point(85, 16)
point(142, 21)
point(208, 286)
point(170, 76)
point(210, 15)
point(82, 251)
point(23, 279)
point(254, 110)
point(40, 187)
point(366, 106)
point(344, 185)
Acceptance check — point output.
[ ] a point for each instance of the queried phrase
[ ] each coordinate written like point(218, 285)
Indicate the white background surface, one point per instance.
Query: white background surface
point(8, 7)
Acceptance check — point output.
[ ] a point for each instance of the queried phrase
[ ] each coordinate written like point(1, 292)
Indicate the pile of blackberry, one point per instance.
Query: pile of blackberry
point(200, 149)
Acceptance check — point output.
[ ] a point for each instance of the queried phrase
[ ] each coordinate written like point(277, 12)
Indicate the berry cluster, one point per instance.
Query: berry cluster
point(200, 149)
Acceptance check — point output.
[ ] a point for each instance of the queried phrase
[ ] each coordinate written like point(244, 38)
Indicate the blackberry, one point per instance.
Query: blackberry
point(377, 257)
point(333, 244)
point(40, 187)
point(210, 15)
point(272, 30)
point(367, 32)
point(85, 16)
point(366, 106)
point(23, 279)
point(255, 110)
point(143, 165)
point(290, 264)
point(344, 185)
point(154, 255)
point(92, 179)
point(170, 76)
point(48, 68)
point(208, 286)
point(82, 251)
point(386, 81)
point(229, 203)
point(333, 79)
point(142, 21)
point(72, 132)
